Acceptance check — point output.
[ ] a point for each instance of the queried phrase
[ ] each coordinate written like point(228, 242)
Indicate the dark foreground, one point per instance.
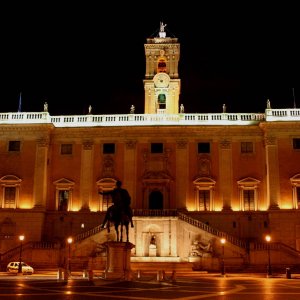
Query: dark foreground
point(185, 287)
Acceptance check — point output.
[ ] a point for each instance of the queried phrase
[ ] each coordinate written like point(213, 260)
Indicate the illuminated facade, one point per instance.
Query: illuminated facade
point(192, 177)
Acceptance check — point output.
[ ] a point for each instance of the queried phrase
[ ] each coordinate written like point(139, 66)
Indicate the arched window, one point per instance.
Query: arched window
point(161, 100)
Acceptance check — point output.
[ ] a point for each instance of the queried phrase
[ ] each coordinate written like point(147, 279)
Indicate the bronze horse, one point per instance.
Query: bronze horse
point(119, 218)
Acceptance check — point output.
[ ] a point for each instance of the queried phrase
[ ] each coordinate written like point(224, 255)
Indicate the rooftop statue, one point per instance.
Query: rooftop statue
point(45, 107)
point(162, 27)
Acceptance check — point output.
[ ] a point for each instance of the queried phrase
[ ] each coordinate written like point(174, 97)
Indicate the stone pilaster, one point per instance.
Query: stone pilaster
point(130, 169)
point(40, 174)
point(182, 172)
point(273, 189)
point(226, 173)
point(86, 176)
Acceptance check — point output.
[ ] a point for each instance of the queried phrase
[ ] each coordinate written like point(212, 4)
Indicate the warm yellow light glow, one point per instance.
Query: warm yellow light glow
point(218, 208)
point(21, 237)
point(70, 240)
point(268, 238)
point(25, 206)
point(190, 207)
point(286, 206)
point(286, 203)
point(223, 241)
point(75, 208)
point(263, 207)
point(25, 203)
point(94, 207)
point(235, 207)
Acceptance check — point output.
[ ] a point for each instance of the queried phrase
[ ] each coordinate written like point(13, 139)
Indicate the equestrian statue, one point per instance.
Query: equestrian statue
point(120, 213)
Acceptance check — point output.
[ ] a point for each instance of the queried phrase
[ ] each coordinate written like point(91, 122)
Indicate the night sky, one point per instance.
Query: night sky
point(77, 55)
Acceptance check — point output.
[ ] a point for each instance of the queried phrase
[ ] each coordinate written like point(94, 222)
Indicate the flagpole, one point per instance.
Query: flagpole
point(20, 103)
point(294, 98)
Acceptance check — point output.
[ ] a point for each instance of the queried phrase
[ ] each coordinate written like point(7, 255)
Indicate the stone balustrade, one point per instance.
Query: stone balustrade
point(89, 120)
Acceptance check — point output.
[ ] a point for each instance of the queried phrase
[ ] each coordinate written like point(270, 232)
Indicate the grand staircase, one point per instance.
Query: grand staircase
point(89, 253)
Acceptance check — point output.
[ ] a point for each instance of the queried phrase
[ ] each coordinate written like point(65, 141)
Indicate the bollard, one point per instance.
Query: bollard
point(173, 277)
point(288, 273)
point(59, 274)
point(158, 276)
point(91, 275)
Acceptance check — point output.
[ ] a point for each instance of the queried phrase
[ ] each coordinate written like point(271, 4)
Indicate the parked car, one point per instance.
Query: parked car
point(13, 267)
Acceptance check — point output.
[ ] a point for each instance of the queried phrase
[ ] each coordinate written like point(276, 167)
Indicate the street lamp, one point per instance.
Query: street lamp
point(70, 241)
point(268, 240)
point(21, 238)
point(223, 241)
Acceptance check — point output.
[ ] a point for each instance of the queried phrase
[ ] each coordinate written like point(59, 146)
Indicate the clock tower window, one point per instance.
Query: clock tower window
point(161, 101)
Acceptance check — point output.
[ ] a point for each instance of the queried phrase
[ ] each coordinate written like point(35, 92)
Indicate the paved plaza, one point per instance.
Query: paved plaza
point(149, 286)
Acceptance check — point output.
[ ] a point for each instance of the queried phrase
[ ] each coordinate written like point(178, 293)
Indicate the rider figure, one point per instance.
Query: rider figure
point(121, 199)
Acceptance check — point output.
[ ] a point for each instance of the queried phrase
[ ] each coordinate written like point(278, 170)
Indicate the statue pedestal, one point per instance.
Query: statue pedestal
point(152, 250)
point(118, 260)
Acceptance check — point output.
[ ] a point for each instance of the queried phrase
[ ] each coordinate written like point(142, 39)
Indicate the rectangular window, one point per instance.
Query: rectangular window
point(246, 147)
point(298, 196)
point(157, 148)
point(248, 197)
point(107, 202)
point(63, 199)
point(296, 143)
point(14, 146)
point(203, 147)
point(9, 197)
point(109, 148)
point(66, 149)
point(204, 200)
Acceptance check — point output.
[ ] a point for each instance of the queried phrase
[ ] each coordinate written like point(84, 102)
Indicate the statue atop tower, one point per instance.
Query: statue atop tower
point(162, 33)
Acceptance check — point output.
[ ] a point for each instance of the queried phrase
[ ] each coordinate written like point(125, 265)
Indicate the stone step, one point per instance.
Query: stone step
point(167, 266)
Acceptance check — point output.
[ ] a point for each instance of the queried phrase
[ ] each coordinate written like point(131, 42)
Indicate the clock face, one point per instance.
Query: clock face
point(161, 80)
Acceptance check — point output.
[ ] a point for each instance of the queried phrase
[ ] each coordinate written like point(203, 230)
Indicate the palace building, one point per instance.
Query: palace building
point(194, 178)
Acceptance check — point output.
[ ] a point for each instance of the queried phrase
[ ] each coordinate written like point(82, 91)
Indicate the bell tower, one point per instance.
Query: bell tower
point(162, 83)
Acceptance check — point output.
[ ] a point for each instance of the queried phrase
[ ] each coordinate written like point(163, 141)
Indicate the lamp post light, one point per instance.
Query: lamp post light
point(21, 238)
point(70, 241)
point(223, 241)
point(269, 268)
